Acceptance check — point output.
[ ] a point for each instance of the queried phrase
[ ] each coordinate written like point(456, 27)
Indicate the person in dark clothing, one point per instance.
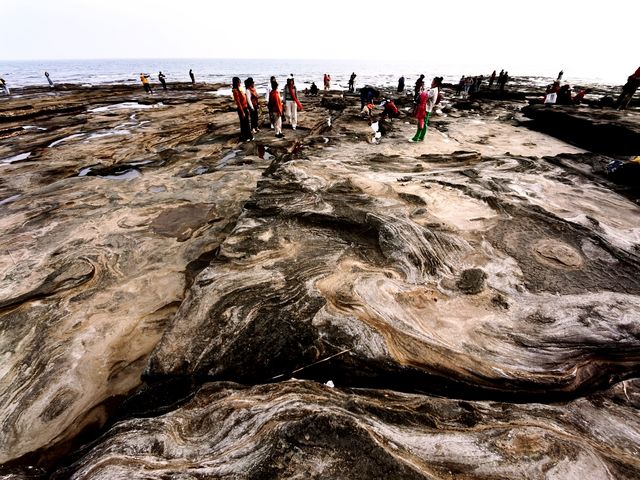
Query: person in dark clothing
point(162, 80)
point(243, 110)
point(352, 82)
point(564, 95)
point(367, 94)
point(628, 90)
point(401, 85)
point(313, 89)
point(253, 103)
point(503, 81)
point(419, 86)
point(492, 79)
point(193, 77)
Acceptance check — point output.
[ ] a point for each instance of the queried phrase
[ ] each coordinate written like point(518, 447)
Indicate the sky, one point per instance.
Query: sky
point(588, 38)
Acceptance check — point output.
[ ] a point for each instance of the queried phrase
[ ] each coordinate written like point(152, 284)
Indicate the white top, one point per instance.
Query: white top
point(433, 96)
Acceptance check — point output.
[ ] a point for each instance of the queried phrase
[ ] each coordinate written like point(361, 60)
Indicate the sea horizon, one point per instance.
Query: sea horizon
point(30, 72)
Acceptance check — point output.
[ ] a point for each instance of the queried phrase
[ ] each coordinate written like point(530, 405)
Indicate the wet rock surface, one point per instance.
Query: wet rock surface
point(474, 299)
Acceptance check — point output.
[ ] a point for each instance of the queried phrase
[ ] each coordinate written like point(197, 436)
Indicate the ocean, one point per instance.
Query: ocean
point(127, 71)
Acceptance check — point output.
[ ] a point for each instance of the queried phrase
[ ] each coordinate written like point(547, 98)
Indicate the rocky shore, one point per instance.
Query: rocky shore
point(175, 304)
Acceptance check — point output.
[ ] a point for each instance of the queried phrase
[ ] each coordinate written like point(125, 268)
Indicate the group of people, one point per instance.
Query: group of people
point(562, 95)
point(146, 83)
point(248, 106)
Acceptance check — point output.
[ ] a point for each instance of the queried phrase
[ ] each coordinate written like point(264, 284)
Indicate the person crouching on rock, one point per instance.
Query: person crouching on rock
point(275, 108)
point(243, 110)
point(253, 103)
point(291, 103)
point(426, 101)
point(389, 109)
point(144, 78)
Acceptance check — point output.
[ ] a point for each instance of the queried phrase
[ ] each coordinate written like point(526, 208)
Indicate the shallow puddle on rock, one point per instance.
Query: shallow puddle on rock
point(15, 158)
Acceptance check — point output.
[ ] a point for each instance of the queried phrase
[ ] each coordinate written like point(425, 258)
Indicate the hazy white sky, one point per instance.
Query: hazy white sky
point(585, 37)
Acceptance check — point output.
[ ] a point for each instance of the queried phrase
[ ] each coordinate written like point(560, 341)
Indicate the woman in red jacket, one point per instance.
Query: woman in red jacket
point(275, 108)
point(243, 110)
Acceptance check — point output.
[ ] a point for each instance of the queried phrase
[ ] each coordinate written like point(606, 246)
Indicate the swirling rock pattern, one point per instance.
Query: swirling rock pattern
point(144, 280)
point(301, 429)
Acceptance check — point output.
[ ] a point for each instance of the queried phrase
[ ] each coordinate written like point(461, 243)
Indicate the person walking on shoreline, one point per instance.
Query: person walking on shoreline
point(253, 103)
point(243, 110)
point(327, 81)
point(4, 86)
point(401, 84)
point(426, 101)
point(193, 77)
point(46, 74)
point(275, 108)
point(291, 102)
point(144, 78)
point(162, 80)
point(352, 82)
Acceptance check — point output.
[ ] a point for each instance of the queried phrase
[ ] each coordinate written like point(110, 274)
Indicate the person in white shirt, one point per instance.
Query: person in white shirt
point(426, 101)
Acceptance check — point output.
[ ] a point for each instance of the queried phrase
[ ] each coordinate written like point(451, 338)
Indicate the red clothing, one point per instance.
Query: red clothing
point(240, 99)
point(390, 107)
point(421, 109)
point(293, 95)
point(275, 102)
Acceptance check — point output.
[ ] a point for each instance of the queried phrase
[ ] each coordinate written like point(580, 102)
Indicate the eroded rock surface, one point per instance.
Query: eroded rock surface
point(475, 298)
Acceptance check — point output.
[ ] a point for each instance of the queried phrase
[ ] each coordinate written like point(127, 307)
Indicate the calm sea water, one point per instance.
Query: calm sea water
point(28, 73)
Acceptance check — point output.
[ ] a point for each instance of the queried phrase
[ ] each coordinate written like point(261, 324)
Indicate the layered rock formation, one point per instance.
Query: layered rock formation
point(476, 306)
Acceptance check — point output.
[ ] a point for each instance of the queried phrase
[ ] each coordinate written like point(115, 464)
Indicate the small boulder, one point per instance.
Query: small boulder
point(471, 281)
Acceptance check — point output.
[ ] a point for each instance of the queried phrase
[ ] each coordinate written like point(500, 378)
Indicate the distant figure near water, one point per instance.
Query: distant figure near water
point(401, 85)
point(243, 110)
point(4, 86)
point(162, 80)
point(144, 78)
point(628, 90)
point(560, 73)
point(418, 87)
point(352, 82)
point(193, 77)
point(327, 81)
point(313, 89)
point(492, 79)
point(46, 74)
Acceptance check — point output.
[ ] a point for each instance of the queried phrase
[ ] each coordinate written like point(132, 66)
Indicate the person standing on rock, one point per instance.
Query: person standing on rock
point(4, 86)
point(327, 81)
point(193, 77)
point(161, 77)
point(144, 78)
point(560, 73)
point(419, 86)
point(275, 108)
point(272, 81)
point(503, 82)
point(291, 102)
point(426, 101)
point(243, 110)
point(401, 84)
point(253, 103)
point(492, 79)
point(46, 74)
point(352, 82)
point(628, 90)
